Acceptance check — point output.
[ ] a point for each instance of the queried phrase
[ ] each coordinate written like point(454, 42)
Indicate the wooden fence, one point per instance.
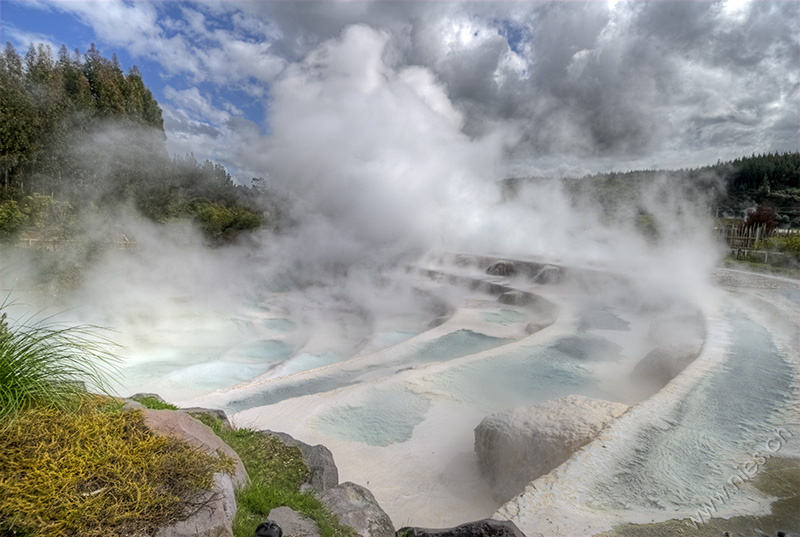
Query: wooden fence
point(741, 239)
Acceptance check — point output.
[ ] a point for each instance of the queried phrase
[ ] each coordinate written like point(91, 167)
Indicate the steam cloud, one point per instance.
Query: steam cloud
point(385, 147)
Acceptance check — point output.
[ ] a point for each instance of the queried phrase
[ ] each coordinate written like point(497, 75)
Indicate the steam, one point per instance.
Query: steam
point(375, 169)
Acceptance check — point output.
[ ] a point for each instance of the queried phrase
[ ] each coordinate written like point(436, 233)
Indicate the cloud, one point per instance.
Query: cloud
point(634, 83)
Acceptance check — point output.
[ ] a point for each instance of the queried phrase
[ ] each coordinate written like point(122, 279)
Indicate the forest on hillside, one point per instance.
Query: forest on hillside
point(755, 185)
point(79, 136)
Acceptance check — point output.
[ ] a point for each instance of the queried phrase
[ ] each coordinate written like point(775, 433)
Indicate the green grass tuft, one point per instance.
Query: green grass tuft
point(276, 472)
point(43, 364)
point(154, 403)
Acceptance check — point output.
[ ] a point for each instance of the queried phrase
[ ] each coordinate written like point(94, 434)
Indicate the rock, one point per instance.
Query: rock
point(130, 404)
point(143, 395)
point(501, 268)
point(214, 519)
point(516, 446)
point(438, 321)
point(548, 274)
point(481, 528)
point(515, 298)
point(213, 412)
point(292, 523)
point(532, 328)
point(358, 508)
point(323, 471)
point(663, 364)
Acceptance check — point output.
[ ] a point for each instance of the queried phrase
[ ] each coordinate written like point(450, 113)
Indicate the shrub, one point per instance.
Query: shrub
point(12, 219)
point(91, 473)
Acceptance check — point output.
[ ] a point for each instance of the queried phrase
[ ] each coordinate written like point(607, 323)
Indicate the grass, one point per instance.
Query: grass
point(154, 403)
point(276, 472)
point(779, 478)
point(95, 471)
point(754, 266)
point(43, 364)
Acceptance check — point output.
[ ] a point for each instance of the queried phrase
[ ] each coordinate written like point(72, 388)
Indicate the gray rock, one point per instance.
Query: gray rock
point(515, 298)
point(516, 446)
point(481, 528)
point(323, 471)
point(548, 274)
point(501, 268)
point(358, 508)
point(292, 523)
point(215, 517)
point(532, 328)
point(150, 395)
point(130, 404)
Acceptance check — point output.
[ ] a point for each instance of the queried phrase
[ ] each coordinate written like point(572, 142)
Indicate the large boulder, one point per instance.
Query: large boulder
point(663, 364)
point(516, 446)
point(358, 508)
point(323, 473)
point(215, 517)
point(482, 528)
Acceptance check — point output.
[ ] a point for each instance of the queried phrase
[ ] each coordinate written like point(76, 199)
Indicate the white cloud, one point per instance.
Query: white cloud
point(191, 99)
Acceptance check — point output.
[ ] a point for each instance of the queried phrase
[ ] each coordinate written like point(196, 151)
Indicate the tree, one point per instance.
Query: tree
point(762, 215)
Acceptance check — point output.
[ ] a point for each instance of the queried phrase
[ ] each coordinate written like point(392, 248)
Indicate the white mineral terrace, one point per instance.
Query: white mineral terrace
point(396, 396)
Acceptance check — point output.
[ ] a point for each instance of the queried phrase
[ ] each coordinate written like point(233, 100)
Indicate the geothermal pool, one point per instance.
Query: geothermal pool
point(395, 381)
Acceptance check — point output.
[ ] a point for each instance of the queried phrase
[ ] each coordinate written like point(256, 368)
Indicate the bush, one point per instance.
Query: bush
point(781, 243)
point(93, 472)
point(12, 220)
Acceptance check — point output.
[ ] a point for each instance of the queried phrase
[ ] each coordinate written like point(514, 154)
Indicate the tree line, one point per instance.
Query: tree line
point(760, 184)
point(80, 134)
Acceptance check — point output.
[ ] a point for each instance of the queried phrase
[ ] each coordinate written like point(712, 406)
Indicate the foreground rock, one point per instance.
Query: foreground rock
point(517, 446)
point(358, 508)
point(323, 471)
point(481, 528)
point(293, 523)
point(215, 517)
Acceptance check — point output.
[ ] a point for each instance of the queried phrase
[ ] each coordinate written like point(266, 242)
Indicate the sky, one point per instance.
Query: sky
point(556, 88)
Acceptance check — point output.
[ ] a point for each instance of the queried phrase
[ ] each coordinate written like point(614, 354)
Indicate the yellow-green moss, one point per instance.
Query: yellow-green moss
point(94, 472)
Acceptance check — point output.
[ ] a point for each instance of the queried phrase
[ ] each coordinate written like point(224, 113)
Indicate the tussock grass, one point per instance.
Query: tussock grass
point(154, 403)
point(97, 472)
point(44, 364)
point(276, 472)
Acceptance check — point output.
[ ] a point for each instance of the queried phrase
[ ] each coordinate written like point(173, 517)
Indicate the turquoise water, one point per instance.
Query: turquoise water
point(450, 346)
point(385, 418)
point(269, 350)
point(505, 316)
point(454, 345)
point(280, 326)
point(602, 319)
point(589, 347)
point(520, 379)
